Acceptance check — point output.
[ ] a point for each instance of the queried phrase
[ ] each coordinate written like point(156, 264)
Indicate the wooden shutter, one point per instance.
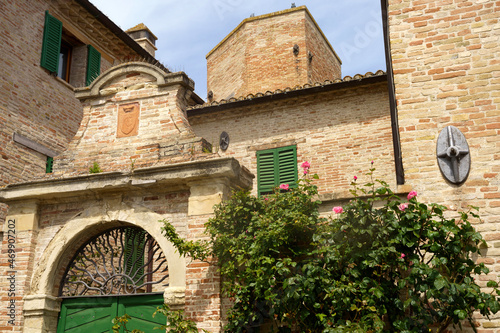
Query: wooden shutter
point(134, 255)
point(276, 166)
point(265, 171)
point(93, 64)
point(49, 164)
point(51, 46)
point(287, 166)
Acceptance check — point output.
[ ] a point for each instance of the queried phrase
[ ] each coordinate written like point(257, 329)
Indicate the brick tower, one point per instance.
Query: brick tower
point(268, 52)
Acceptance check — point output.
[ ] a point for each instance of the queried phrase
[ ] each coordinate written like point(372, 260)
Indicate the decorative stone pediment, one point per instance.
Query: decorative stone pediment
point(133, 116)
point(132, 76)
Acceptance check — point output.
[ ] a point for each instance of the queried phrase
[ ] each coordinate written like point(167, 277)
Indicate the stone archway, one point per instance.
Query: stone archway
point(42, 305)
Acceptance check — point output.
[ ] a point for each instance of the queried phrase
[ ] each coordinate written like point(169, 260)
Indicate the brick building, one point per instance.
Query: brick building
point(39, 112)
point(165, 154)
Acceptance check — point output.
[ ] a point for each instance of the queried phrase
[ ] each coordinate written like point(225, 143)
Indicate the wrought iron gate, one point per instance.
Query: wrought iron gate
point(120, 271)
point(120, 261)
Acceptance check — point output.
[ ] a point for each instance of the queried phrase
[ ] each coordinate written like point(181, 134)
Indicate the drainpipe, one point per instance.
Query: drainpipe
point(396, 142)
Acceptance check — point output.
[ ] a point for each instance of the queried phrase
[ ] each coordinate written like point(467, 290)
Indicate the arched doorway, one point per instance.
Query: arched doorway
point(119, 271)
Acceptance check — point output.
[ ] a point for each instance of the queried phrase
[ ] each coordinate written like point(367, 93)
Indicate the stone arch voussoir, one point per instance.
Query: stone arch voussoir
point(91, 222)
point(129, 67)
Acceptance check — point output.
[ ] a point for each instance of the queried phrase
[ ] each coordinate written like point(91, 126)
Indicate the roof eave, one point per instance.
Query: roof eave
point(287, 94)
point(129, 41)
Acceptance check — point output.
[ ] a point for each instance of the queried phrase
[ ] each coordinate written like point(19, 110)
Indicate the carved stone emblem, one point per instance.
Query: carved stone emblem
point(128, 120)
point(453, 155)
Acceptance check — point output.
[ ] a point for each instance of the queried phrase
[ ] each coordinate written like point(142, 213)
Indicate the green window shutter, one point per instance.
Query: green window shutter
point(266, 171)
point(287, 166)
point(49, 164)
point(51, 46)
point(93, 64)
point(134, 255)
point(276, 166)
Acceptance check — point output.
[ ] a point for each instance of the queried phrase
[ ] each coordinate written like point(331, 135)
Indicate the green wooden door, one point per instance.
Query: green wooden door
point(94, 314)
point(142, 312)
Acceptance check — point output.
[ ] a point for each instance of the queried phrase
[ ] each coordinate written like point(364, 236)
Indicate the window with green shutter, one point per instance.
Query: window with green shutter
point(93, 64)
point(51, 47)
point(276, 166)
point(60, 47)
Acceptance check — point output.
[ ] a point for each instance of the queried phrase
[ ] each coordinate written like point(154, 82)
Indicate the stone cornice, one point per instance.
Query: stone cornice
point(181, 175)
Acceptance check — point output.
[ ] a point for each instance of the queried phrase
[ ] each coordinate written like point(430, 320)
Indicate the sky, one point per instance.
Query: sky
point(188, 29)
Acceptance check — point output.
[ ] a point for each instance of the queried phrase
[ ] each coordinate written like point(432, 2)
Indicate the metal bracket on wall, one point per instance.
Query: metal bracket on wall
point(18, 138)
point(224, 141)
point(453, 155)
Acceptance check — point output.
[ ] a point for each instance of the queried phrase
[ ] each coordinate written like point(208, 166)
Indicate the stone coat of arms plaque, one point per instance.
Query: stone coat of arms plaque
point(128, 120)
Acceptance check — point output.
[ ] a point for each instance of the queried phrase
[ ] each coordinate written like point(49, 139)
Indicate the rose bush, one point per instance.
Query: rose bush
point(400, 267)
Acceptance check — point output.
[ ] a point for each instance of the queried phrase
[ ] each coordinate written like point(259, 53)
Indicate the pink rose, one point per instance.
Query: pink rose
point(403, 206)
point(412, 194)
point(373, 162)
point(338, 210)
point(305, 165)
point(355, 178)
point(284, 187)
point(403, 255)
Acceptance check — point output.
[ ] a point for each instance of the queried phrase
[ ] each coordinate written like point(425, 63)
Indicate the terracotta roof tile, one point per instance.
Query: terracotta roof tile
point(248, 97)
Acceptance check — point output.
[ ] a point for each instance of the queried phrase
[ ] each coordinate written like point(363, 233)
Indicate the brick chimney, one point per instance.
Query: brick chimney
point(268, 52)
point(144, 37)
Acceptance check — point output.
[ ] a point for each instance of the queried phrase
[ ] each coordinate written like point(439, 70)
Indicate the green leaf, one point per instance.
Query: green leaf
point(440, 283)
point(492, 284)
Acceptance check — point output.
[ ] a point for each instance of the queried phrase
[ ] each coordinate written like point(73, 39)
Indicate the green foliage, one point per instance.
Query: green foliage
point(132, 164)
point(382, 265)
point(120, 322)
point(265, 257)
point(196, 249)
point(175, 322)
point(403, 266)
point(95, 168)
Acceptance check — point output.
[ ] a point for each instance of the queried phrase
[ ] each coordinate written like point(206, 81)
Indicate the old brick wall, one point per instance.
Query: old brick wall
point(226, 67)
point(41, 108)
point(160, 136)
point(338, 132)
point(33, 102)
point(325, 63)
point(447, 72)
point(203, 286)
point(172, 206)
point(258, 55)
point(15, 279)
point(271, 63)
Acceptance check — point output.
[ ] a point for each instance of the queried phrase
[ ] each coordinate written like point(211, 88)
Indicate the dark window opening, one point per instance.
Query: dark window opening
point(64, 61)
